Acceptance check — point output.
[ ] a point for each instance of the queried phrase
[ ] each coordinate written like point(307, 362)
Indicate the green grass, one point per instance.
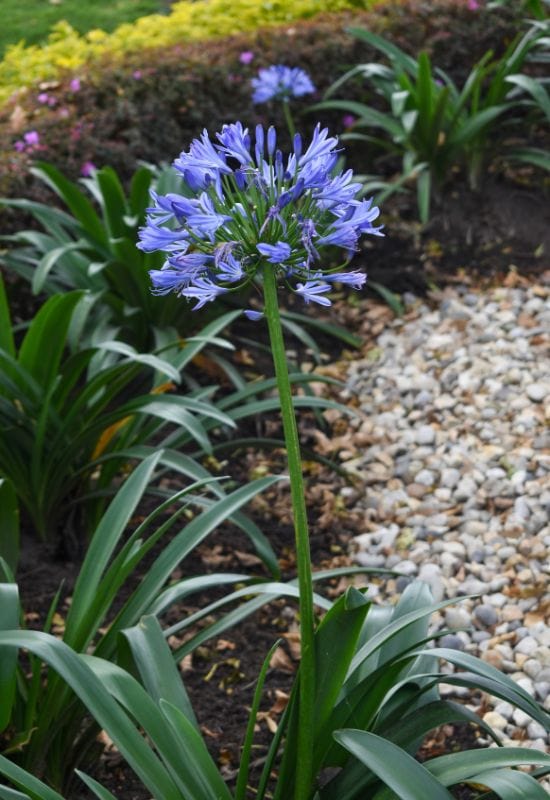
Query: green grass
point(32, 20)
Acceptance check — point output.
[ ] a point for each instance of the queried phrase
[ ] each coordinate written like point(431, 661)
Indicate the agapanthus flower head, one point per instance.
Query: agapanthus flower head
point(247, 208)
point(281, 83)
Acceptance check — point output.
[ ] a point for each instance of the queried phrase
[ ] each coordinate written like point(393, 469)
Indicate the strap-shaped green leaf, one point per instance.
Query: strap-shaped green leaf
point(9, 524)
point(157, 669)
point(6, 333)
point(94, 786)
point(104, 542)
point(113, 201)
point(195, 758)
point(42, 348)
point(75, 199)
point(73, 669)
point(33, 787)
point(9, 619)
point(393, 766)
point(139, 192)
point(460, 767)
point(182, 544)
point(509, 784)
point(531, 155)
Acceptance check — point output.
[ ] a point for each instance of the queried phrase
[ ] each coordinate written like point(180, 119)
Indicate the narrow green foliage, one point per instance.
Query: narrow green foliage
point(434, 125)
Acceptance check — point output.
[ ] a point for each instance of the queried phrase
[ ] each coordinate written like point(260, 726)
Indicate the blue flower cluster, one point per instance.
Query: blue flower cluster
point(246, 208)
point(281, 83)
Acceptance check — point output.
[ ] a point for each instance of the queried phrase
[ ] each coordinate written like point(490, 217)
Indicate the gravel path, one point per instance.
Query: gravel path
point(455, 460)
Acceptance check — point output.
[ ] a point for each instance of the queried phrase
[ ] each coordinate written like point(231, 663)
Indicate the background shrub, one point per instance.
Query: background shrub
point(151, 104)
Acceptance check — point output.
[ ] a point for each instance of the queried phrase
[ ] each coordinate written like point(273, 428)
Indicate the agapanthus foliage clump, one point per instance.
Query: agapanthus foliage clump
point(245, 207)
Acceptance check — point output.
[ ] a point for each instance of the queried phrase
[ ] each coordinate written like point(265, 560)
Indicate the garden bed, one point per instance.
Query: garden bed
point(125, 111)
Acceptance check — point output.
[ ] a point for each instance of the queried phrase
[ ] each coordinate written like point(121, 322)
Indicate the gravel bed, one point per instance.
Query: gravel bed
point(454, 457)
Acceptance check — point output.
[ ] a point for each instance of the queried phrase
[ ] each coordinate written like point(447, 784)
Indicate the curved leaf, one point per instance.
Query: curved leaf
point(510, 784)
point(396, 768)
point(91, 691)
point(460, 767)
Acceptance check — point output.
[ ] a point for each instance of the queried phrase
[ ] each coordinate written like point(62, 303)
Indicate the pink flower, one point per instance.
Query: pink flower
point(43, 97)
point(75, 85)
point(20, 146)
point(473, 5)
point(87, 168)
point(246, 57)
point(32, 137)
point(348, 120)
point(137, 74)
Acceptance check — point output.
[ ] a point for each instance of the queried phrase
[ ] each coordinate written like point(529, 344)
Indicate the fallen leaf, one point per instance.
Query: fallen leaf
point(294, 644)
point(281, 702)
point(281, 660)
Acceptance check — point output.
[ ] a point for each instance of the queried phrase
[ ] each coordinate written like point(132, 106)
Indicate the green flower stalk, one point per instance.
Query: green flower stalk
point(254, 217)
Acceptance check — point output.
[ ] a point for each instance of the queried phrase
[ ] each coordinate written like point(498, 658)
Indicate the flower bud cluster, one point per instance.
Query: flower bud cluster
point(244, 207)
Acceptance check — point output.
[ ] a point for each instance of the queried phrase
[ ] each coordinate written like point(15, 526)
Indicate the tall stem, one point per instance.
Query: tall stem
point(304, 755)
point(289, 119)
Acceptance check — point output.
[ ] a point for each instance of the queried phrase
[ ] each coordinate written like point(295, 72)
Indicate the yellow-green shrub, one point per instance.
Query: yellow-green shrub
point(189, 20)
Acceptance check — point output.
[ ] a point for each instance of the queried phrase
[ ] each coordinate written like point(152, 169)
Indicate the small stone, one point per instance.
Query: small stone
point(520, 718)
point(465, 489)
point(457, 618)
point(537, 392)
point(370, 560)
point(425, 477)
point(431, 574)
point(542, 689)
point(495, 720)
point(472, 586)
point(510, 613)
point(449, 477)
point(452, 641)
point(536, 731)
point(493, 657)
point(417, 490)
point(538, 744)
point(406, 567)
point(528, 645)
point(425, 435)
point(505, 709)
point(473, 527)
point(486, 615)
point(532, 667)
point(401, 583)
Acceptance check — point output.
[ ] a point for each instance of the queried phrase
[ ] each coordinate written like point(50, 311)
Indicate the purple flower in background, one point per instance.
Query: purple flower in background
point(348, 120)
point(246, 57)
point(137, 74)
point(43, 98)
point(281, 83)
point(29, 142)
point(473, 5)
point(87, 169)
point(31, 138)
point(75, 85)
point(246, 208)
